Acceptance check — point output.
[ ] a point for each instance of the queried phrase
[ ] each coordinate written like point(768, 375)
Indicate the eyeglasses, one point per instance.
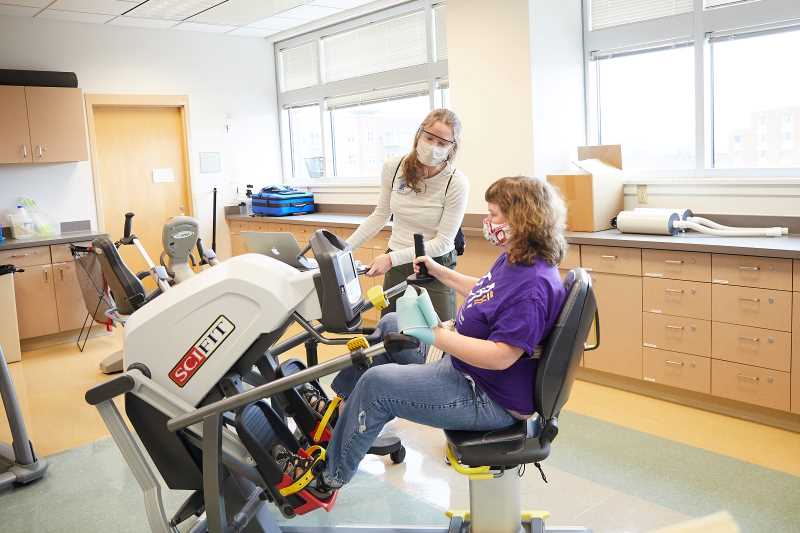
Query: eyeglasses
point(435, 139)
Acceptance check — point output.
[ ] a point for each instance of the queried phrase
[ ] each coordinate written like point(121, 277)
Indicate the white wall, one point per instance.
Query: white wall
point(558, 97)
point(229, 81)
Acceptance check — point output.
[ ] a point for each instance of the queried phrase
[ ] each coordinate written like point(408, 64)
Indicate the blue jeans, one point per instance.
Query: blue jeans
point(436, 395)
point(344, 383)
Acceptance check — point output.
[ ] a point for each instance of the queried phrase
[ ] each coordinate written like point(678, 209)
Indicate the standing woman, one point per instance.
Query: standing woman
point(425, 193)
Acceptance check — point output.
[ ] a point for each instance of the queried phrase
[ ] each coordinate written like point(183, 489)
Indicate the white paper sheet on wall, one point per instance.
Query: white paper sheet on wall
point(163, 175)
point(210, 162)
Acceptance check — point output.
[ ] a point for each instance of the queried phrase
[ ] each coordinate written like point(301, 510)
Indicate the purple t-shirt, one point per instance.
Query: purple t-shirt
point(517, 305)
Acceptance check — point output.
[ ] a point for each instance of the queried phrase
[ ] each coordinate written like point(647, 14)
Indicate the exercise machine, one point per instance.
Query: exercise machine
point(19, 464)
point(188, 355)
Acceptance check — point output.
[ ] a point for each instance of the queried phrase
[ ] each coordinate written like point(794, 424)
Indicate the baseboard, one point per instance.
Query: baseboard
point(752, 413)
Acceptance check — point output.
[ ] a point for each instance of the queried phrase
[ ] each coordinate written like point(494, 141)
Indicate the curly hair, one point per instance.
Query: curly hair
point(413, 171)
point(537, 216)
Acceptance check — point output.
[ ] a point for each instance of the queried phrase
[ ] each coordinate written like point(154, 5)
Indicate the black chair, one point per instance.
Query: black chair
point(491, 458)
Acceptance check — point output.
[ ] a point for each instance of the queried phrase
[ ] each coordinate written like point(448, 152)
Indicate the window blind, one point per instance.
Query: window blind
point(711, 4)
point(382, 95)
point(440, 25)
point(610, 13)
point(299, 67)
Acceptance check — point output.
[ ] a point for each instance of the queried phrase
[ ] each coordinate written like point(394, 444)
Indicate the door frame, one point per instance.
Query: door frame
point(140, 101)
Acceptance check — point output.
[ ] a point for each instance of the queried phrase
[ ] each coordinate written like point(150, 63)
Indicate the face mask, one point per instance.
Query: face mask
point(431, 155)
point(497, 234)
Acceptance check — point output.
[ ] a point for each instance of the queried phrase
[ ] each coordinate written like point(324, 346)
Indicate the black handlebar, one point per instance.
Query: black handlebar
point(419, 251)
point(128, 223)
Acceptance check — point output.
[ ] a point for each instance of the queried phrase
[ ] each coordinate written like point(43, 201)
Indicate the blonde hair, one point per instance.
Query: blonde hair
point(537, 216)
point(413, 171)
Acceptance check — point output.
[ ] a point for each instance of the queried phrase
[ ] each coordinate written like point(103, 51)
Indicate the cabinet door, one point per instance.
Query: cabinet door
point(69, 299)
point(58, 129)
point(619, 300)
point(36, 302)
point(237, 244)
point(15, 139)
point(796, 354)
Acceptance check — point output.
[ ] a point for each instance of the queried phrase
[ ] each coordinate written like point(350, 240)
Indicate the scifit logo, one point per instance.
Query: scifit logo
point(201, 350)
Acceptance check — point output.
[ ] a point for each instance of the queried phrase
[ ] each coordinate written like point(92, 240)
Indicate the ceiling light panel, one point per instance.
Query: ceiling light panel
point(307, 13)
point(74, 16)
point(276, 23)
point(103, 7)
point(142, 23)
point(243, 12)
point(18, 11)
point(172, 9)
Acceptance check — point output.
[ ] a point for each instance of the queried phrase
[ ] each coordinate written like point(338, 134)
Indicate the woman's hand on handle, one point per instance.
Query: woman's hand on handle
point(380, 265)
point(434, 269)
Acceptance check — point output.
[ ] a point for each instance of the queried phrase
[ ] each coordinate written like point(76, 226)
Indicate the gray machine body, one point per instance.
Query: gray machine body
point(179, 238)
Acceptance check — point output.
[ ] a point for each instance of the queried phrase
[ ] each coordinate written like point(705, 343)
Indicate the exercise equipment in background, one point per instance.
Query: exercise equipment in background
point(664, 221)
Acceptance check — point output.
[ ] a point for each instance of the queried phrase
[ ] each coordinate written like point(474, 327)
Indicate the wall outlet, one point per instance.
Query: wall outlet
point(641, 194)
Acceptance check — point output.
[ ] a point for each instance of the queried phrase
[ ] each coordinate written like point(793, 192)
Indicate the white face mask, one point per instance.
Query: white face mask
point(431, 155)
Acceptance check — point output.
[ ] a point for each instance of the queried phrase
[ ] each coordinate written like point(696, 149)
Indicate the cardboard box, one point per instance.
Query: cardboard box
point(592, 189)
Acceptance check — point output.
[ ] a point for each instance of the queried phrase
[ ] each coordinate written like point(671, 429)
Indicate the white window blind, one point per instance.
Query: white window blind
point(395, 43)
point(440, 25)
point(711, 4)
point(610, 13)
point(383, 95)
point(299, 67)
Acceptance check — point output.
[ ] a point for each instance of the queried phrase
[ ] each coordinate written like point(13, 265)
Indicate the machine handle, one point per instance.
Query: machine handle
point(749, 268)
point(673, 363)
point(419, 251)
point(128, 223)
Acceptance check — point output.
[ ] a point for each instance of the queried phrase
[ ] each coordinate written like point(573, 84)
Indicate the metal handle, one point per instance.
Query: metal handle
point(612, 257)
point(674, 261)
point(676, 291)
point(39, 151)
point(46, 278)
point(753, 379)
point(673, 363)
point(19, 256)
point(749, 269)
point(61, 273)
point(24, 151)
point(670, 326)
point(751, 339)
point(754, 300)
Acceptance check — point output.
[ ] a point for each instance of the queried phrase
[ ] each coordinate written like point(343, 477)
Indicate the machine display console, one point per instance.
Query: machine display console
point(337, 283)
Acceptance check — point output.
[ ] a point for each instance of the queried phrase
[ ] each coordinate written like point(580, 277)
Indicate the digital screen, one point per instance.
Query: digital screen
point(347, 268)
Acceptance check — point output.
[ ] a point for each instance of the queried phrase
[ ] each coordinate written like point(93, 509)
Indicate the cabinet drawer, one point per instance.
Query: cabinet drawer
point(679, 298)
point(768, 388)
point(612, 260)
point(572, 259)
point(237, 226)
point(689, 372)
point(752, 346)
point(22, 257)
point(796, 269)
point(676, 334)
point(61, 253)
point(761, 308)
point(752, 271)
point(690, 266)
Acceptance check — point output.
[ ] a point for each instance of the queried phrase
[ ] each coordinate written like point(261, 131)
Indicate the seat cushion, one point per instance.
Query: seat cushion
point(507, 447)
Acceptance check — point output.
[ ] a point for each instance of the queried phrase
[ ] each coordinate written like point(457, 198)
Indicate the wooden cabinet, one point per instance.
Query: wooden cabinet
point(36, 304)
point(69, 300)
point(57, 125)
point(749, 271)
point(751, 384)
point(796, 353)
point(15, 139)
point(675, 369)
point(690, 266)
point(619, 300)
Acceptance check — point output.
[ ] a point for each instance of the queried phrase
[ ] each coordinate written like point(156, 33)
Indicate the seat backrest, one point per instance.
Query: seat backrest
point(565, 345)
point(128, 291)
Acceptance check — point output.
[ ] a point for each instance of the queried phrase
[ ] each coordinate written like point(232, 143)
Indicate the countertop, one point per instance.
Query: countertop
point(73, 236)
point(786, 246)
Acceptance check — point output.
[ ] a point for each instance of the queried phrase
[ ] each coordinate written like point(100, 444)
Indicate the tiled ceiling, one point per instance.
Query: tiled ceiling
point(250, 18)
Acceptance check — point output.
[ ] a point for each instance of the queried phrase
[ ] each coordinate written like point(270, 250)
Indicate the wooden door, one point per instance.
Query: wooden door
point(619, 301)
point(132, 142)
point(36, 301)
point(69, 298)
point(58, 127)
point(15, 139)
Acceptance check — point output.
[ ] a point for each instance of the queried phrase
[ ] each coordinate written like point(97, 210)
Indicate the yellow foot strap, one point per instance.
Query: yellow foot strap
point(326, 418)
point(308, 476)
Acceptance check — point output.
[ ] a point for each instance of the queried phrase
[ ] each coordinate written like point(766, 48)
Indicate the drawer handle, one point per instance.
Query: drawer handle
point(610, 257)
point(675, 291)
point(673, 363)
point(670, 326)
point(744, 377)
point(749, 269)
point(19, 256)
point(751, 339)
point(674, 261)
point(754, 300)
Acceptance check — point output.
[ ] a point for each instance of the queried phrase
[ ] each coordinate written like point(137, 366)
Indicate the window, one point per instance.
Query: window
point(365, 135)
point(646, 103)
point(353, 94)
point(695, 85)
point(305, 132)
point(755, 100)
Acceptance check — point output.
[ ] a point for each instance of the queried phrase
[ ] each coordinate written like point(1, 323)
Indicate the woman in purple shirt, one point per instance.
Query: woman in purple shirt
point(485, 379)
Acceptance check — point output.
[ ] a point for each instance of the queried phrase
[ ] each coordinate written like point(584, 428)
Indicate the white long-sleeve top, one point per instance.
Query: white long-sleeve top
point(430, 212)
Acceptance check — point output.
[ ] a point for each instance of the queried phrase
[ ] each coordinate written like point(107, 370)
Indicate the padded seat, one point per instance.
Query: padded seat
point(529, 442)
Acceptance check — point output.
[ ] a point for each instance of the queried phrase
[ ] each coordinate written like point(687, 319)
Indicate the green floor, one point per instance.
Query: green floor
point(90, 489)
